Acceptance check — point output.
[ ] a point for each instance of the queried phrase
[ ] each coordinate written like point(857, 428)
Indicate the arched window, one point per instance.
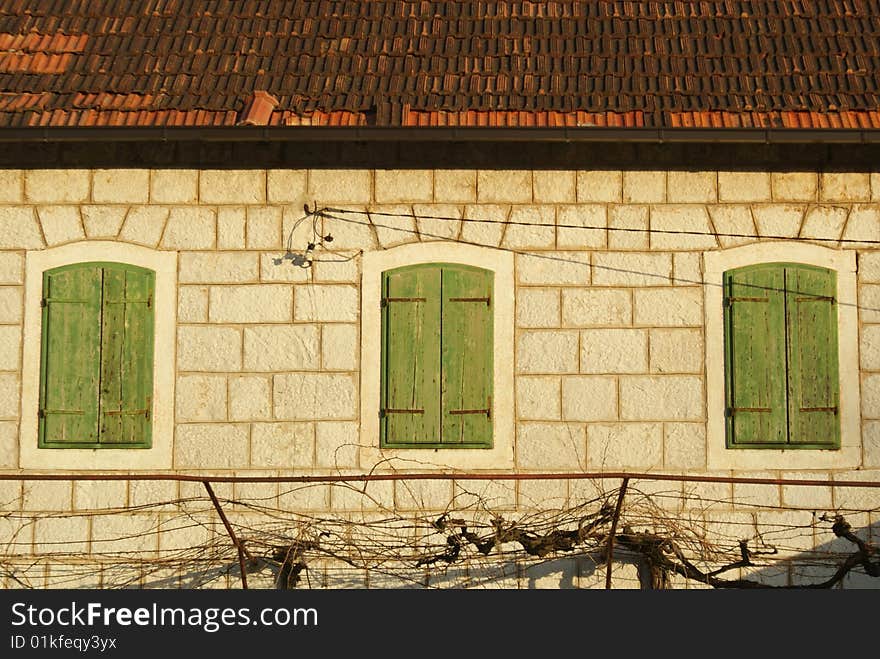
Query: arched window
point(437, 360)
point(96, 363)
point(781, 370)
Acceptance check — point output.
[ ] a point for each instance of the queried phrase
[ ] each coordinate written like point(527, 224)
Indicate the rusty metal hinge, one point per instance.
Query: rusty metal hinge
point(386, 300)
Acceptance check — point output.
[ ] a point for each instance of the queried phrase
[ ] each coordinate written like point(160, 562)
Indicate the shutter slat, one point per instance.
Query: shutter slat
point(467, 363)
point(126, 356)
point(812, 356)
point(69, 372)
point(755, 356)
point(411, 356)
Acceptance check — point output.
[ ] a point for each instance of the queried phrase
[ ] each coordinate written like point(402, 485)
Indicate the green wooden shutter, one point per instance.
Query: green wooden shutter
point(126, 356)
point(69, 365)
point(410, 398)
point(755, 368)
point(466, 337)
point(811, 314)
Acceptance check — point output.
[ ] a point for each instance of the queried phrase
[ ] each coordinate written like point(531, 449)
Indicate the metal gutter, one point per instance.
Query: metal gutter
point(339, 134)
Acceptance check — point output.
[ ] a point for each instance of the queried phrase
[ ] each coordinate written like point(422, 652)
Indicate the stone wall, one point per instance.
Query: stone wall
point(610, 339)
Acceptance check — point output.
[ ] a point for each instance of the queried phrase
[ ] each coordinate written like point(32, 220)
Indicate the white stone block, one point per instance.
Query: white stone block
point(121, 186)
point(585, 307)
point(628, 227)
point(304, 497)
point(644, 187)
point(753, 494)
point(794, 186)
point(531, 227)
point(10, 347)
point(192, 304)
point(100, 495)
point(287, 186)
point(174, 186)
point(484, 224)
point(281, 348)
point(102, 221)
point(250, 398)
point(340, 186)
point(190, 228)
point(339, 347)
point(556, 269)
point(61, 224)
point(10, 304)
point(626, 269)
point(282, 272)
point(211, 446)
point(537, 307)
point(228, 186)
point(869, 267)
point(350, 229)
point(201, 398)
point(687, 268)
point(869, 303)
point(676, 306)
point(206, 348)
point(811, 497)
point(219, 267)
point(47, 496)
point(19, 228)
point(144, 225)
point(336, 444)
point(231, 227)
point(537, 397)
point(870, 347)
point(692, 187)
point(54, 186)
point(550, 446)
point(11, 186)
point(422, 495)
point(400, 185)
point(314, 302)
point(662, 397)
point(599, 186)
point(676, 350)
point(543, 494)
point(825, 222)
point(554, 187)
point(11, 268)
point(8, 453)
point(547, 352)
point(589, 398)
point(844, 186)
point(438, 222)
point(871, 444)
point(779, 220)
point(504, 186)
point(126, 533)
point(152, 495)
point(264, 227)
point(583, 226)
point(863, 225)
point(259, 303)
point(283, 445)
point(307, 396)
point(61, 535)
point(743, 186)
point(614, 351)
point(735, 224)
point(684, 446)
point(9, 395)
point(394, 225)
point(335, 269)
point(455, 185)
point(671, 227)
point(624, 445)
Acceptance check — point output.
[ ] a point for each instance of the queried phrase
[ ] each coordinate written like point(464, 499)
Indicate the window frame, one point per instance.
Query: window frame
point(501, 453)
point(160, 454)
point(843, 263)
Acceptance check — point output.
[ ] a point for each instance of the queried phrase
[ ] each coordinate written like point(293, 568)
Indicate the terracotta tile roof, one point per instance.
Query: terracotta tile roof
point(654, 63)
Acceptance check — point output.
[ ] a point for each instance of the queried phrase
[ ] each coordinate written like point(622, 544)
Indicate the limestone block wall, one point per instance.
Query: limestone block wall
point(609, 331)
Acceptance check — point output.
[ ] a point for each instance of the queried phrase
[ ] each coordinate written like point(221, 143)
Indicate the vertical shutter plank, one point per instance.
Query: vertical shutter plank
point(755, 356)
point(812, 356)
point(411, 356)
point(69, 373)
point(127, 356)
point(467, 364)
